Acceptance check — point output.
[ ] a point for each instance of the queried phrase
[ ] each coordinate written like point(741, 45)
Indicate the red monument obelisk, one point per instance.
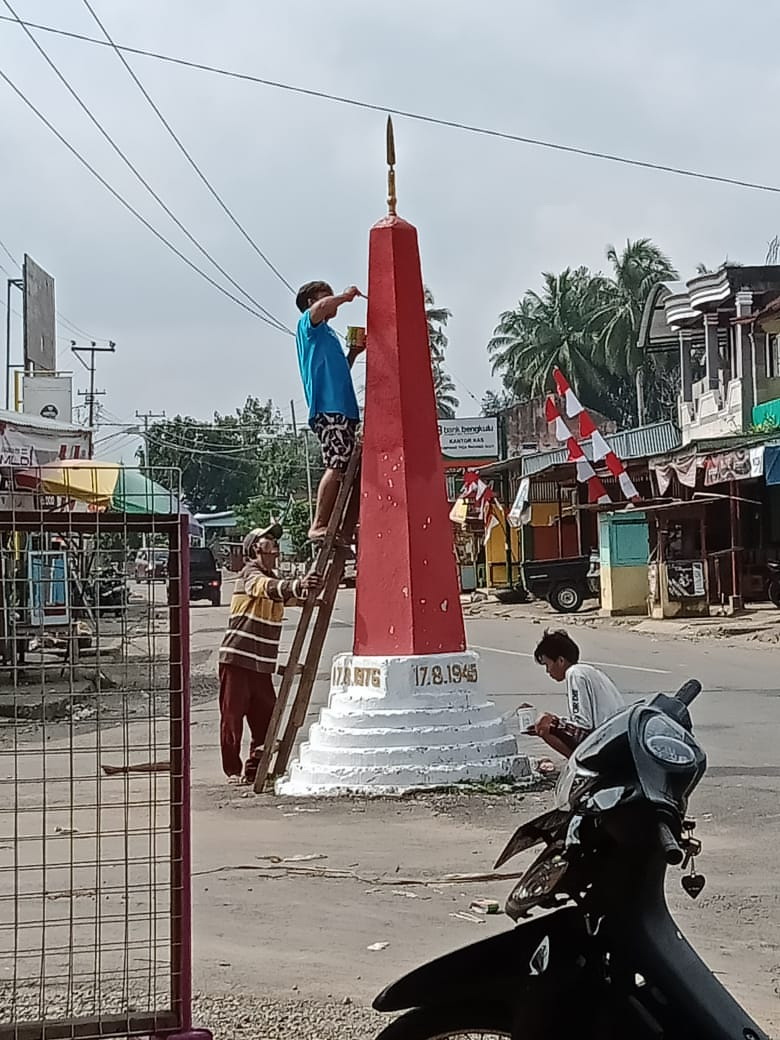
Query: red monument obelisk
point(405, 708)
point(408, 598)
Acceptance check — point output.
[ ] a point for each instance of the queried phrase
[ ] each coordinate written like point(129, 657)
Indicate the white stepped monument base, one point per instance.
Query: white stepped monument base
point(393, 724)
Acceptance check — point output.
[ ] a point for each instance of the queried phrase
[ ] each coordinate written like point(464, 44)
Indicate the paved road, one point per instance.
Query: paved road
point(735, 715)
point(293, 926)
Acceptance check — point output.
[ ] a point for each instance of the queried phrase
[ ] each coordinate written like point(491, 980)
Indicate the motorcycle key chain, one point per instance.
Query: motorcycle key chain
point(693, 882)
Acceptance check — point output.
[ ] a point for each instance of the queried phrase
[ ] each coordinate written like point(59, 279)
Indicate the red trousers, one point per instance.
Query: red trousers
point(243, 694)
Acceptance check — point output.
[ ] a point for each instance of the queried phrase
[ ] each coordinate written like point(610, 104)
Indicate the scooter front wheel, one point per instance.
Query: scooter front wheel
point(454, 1022)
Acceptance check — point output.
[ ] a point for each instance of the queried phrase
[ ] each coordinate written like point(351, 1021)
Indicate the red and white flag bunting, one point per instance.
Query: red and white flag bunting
point(490, 509)
point(573, 406)
point(601, 449)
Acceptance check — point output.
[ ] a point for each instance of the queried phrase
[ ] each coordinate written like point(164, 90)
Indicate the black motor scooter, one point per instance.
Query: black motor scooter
point(104, 595)
point(607, 960)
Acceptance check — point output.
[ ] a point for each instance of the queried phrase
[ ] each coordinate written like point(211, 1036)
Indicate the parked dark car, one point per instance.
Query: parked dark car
point(205, 576)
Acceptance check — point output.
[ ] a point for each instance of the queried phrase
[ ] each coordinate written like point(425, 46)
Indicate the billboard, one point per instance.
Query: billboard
point(469, 438)
point(48, 396)
point(40, 345)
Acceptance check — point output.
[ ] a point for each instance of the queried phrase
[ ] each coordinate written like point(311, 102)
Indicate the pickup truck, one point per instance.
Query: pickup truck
point(205, 576)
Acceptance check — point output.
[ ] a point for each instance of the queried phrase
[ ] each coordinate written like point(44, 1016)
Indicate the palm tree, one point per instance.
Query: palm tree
point(492, 403)
point(635, 271)
point(549, 328)
point(437, 318)
point(446, 401)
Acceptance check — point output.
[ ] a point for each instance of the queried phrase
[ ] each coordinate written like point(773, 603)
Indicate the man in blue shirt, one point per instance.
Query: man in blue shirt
point(327, 383)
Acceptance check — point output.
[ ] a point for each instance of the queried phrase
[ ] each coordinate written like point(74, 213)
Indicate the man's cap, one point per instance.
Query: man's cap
point(274, 531)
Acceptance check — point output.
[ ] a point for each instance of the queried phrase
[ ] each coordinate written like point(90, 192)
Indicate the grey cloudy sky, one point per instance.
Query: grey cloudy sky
point(684, 84)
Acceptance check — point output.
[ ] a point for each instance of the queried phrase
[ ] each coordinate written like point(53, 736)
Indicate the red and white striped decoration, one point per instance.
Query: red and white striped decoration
point(475, 488)
point(585, 472)
point(601, 449)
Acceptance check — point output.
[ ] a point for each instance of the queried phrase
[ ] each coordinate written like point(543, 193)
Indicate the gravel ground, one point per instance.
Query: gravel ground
point(230, 1016)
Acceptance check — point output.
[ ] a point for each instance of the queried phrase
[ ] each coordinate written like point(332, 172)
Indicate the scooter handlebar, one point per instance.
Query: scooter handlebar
point(688, 692)
point(672, 851)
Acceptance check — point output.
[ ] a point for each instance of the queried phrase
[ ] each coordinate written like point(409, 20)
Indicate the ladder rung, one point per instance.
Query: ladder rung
point(282, 668)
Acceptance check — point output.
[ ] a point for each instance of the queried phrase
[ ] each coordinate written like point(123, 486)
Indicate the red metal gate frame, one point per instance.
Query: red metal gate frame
point(176, 1025)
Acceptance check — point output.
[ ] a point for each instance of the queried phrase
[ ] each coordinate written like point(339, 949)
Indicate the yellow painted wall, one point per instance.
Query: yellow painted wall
point(543, 514)
point(495, 554)
point(624, 590)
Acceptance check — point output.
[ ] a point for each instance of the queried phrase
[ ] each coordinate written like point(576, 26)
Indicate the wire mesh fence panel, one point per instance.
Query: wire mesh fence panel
point(93, 786)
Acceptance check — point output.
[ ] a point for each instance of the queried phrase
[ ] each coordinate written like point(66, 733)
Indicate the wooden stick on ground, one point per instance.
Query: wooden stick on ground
point(141, 767)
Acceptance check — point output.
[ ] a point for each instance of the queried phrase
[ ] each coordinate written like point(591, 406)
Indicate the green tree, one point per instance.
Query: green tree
point(635, 271)
point(293, 514)
point(232, 458)
point(639, 267)
point(492, 403)
point(549, 328)
point(588, 324)
point(444, 388)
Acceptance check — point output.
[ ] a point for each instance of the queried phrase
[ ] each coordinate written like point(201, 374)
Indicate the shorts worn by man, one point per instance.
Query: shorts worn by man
point(250, 646)
point(593, 697)
point(330, 395)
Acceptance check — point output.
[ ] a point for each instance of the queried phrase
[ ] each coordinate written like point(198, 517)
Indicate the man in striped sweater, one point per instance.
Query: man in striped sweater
point(250, 646)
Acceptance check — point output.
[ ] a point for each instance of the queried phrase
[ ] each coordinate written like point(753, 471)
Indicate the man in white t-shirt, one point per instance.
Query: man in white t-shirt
point(593, 697)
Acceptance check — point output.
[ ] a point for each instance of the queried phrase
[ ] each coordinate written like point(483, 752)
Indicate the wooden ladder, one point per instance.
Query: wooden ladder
point(300, 670)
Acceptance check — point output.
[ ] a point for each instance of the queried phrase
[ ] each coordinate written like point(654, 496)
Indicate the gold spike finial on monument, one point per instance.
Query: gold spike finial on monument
point(391, 196)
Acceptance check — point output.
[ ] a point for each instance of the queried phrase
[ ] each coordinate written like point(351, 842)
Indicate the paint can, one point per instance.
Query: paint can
point(356, 337)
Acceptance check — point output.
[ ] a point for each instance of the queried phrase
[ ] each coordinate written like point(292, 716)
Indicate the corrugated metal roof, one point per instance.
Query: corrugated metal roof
point(642, 442)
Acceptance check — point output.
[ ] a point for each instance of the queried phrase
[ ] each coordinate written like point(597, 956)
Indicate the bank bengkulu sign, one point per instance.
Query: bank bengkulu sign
point(469, 438)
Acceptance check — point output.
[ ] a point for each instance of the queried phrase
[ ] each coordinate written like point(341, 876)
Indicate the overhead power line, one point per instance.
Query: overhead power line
point(74, 329)
point(163, 445)
point(269, 318)
point(9, 254)
point(418, 116)
point(131, 209)
point(213, 191)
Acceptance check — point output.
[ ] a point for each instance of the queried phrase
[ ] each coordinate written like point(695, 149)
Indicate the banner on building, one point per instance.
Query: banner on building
point(727, 466)
point(772, 464)
point(684, 469)
point(520, 513)
point(469, 438)
point(685, 579)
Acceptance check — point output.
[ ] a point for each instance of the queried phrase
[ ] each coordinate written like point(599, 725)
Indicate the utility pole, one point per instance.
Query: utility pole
point(147, 417)
point(12, 283)
point(90, 396)
point(307, 460)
